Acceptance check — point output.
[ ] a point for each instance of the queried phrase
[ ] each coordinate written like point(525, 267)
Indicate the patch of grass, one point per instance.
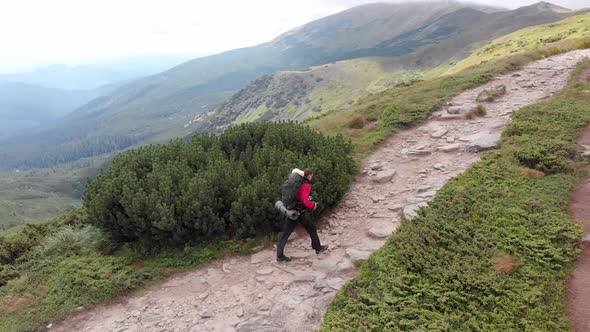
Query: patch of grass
point(493, 250)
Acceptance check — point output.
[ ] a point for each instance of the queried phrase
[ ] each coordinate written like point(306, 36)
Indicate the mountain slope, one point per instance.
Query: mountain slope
point(336, 85)
point(526, 40)
point(158, 108)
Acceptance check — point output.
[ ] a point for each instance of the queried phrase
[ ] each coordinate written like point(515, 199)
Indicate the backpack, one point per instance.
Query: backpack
point(290, 190)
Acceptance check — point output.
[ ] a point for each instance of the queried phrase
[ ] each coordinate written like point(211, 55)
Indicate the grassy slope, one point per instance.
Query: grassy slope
point(339, 84)
point(493, 250)
point(526, 40)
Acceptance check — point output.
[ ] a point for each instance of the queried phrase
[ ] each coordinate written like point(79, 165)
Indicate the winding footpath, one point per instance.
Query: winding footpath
point(578, 295)
point(255, 293)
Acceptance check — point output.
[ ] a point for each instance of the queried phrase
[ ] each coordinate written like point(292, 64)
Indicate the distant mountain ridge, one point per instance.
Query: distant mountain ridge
point(429, 45)
point(89, 77)
point(26, 107)
point(163, 106)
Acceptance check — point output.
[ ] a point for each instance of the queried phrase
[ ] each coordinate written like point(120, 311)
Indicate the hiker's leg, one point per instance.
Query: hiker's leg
point(305, 220)
point(288, 227)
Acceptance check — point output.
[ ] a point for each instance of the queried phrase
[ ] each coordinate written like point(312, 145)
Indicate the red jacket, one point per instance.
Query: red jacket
point(303, 195)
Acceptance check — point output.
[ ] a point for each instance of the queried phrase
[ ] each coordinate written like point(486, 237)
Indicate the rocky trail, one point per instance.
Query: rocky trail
point(578, 296)
point(255, 293)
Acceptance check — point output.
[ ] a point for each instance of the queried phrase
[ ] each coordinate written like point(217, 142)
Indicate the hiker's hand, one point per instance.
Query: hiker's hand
point(315, 207)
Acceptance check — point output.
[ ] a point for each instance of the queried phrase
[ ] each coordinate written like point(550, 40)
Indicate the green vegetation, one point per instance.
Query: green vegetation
point(493, 250)
point(37, 195)
point(162, 209)
point(527, 40)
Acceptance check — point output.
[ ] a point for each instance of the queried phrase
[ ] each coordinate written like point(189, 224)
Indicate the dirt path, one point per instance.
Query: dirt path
point(255, 293)
point(578, 296)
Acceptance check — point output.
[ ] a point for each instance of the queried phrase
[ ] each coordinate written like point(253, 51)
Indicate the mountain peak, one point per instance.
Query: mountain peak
point(545, 6)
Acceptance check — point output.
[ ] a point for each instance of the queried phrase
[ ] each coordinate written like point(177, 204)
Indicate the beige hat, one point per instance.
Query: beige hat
point(298, 171)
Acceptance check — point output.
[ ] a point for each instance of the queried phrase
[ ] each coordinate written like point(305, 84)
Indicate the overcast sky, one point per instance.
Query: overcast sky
point(80, 31)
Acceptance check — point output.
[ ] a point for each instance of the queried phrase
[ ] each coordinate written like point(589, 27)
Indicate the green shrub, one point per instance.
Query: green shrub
point(214, 187)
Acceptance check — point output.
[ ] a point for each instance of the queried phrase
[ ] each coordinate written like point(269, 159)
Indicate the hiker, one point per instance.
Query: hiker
point(296, 192)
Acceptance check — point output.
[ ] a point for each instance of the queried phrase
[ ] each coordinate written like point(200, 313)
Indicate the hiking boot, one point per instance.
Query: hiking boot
point(283, 259)
point(322, 249)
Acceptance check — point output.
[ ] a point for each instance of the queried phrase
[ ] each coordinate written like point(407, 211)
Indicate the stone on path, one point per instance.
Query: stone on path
point(258, 324)
point(450, 147)
point(325, 265)
point(345, 265)
point(423, 188)
point(419, 152)
point(411, 211)
point(395, 207)
point(376, 167)
point(377, 199)
point(484, 142)
point(385, 176)
point(426, 194)
point(455, 110)
point(303, 277)
point(261, 256)
point(357, 255)
point(439, 133)
point(381, 231)
point(265, 270)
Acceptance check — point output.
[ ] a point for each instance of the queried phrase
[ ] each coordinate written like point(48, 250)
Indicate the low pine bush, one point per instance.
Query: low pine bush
point(214, 187)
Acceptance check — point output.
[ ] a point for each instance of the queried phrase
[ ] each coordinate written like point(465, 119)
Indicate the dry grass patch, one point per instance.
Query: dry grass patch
point(11, 304)
point(479, 110)
point(505, 263)
point(357, 122)
point(533, 173)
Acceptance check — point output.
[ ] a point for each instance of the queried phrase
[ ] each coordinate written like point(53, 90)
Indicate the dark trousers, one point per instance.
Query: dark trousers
point(288, 227)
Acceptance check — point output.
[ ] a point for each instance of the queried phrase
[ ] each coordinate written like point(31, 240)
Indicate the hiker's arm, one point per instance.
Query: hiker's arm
point(305, 191)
